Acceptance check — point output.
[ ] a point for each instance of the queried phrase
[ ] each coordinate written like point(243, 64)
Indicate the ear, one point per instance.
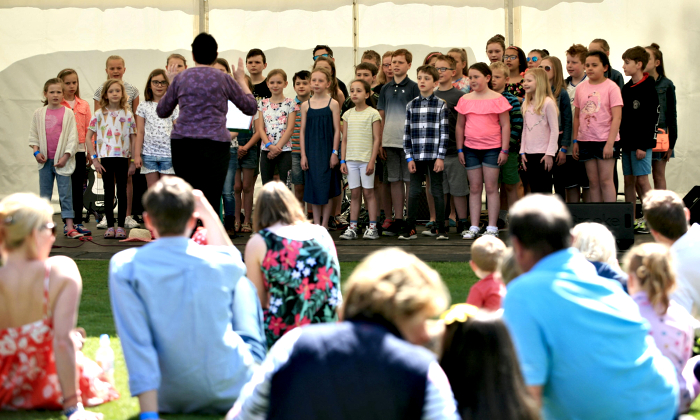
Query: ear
point(149, 224)
point(264, 66)
point(687, 214)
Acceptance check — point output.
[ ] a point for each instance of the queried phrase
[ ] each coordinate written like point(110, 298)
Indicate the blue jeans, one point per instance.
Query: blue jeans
point(229, 199)
point(65, 193)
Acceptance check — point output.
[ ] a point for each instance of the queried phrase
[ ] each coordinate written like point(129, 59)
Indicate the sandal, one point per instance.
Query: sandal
point(121, 233)
point(246, 228)
point(237, 227)
point(74, 234)
point(109, 234)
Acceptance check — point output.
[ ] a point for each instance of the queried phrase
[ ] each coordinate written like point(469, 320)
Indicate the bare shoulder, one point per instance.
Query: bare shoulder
point(64, 269)
point(334, 105)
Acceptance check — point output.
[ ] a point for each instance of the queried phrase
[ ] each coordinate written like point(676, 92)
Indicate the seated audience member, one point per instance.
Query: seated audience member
point(597, 244)
point(39, 299)
point(370, 365)
point(667, 219)
point(189, 320)
point(651, 280)
point(481, 365)
point(486, 253)
point(508, 267)
point(583, 347)
point(292, 263)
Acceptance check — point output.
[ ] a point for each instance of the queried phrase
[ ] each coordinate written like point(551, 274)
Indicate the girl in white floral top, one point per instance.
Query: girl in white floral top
point(114, 126)
point(276, 111)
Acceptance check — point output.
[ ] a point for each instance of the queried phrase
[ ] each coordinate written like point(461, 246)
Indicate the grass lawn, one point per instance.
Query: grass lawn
point(96, 317)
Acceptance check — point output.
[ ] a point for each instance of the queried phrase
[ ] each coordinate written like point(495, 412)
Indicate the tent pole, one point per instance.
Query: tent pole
point(203, 16)
point(355, 30)
point(508, 6)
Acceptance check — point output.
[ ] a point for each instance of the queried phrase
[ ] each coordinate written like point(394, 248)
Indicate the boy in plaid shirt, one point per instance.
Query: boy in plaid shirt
point(426, 133)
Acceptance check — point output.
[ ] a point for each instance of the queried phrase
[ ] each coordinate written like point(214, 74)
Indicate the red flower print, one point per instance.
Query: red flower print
point(276, 325)
point(299, 321)
point(305, 289)
point(289, 254)
point(270, 260)
point(323, 278)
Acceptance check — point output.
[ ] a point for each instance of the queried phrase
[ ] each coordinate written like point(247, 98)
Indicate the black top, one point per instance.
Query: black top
point(451, 98)
point(343, 88)
point(261, 91)
point(640, 115)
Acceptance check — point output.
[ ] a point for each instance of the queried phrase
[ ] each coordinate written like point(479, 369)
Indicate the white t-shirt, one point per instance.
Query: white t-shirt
point(686, 254)
point(156, 139)
point(113, 132)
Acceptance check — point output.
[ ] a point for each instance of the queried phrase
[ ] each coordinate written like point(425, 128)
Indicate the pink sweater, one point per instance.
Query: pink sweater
point(540, 132)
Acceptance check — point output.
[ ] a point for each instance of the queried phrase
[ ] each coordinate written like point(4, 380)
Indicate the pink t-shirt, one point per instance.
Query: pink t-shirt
point(596, 103)
point(487, 293)
point(540, 132)
point(482, 129)
point(54, 126)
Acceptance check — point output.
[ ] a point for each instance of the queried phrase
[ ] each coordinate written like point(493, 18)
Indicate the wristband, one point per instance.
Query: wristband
point(460, 151)
point(409, 160)
point(148, 415)
point(72, 410)
point(335, 152)
point(94, 156)
point(342, 161)
point(268, 144)
point(37, 152)
point(504, 151)
point(575, 141)
point(563, 150)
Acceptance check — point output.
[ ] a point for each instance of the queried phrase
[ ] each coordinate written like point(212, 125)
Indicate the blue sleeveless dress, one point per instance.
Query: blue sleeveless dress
point(321, 182)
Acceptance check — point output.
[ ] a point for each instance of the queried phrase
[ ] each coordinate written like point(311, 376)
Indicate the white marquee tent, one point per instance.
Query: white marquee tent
point(39, 38)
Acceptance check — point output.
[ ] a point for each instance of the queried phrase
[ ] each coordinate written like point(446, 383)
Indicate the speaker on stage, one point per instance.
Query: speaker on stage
point(692, 201)
point(618, 217)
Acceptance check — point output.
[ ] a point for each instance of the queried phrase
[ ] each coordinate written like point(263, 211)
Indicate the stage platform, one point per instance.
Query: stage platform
point(426, 248)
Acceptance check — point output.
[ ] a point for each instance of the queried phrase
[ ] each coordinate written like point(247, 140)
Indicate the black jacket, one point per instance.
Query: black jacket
point(640, 114)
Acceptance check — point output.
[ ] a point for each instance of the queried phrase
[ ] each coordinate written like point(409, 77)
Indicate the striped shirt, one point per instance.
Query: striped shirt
point(427, 128)
point(131, 92)
point(516, 121)
point(360, 139)
point(294, 140)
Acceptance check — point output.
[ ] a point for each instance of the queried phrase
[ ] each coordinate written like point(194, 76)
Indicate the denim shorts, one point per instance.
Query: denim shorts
point(476, 158)
point(588, 150)
point(633, 166)
point(661, 155)
point(297, 172)
point(160, 164)
point(251, 160)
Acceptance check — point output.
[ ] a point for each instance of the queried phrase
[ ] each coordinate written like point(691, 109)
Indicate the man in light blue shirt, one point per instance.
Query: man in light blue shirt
point(584, 349)
point(189, 320)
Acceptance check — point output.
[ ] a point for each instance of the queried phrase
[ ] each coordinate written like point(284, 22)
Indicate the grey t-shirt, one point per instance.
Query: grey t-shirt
point(393, 100)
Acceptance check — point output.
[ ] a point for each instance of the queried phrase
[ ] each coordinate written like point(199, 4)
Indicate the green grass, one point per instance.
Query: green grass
point(96, 317)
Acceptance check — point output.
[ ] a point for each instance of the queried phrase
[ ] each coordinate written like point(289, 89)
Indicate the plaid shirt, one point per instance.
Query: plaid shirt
point(427, 128)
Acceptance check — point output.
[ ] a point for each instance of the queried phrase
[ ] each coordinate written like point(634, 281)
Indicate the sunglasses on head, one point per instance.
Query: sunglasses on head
point(50, 226)
point(533, 59)
point(546, 68)
point(321, 55)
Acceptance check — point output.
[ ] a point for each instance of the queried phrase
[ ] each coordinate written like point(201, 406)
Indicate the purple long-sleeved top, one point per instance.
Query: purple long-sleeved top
point(203, 94)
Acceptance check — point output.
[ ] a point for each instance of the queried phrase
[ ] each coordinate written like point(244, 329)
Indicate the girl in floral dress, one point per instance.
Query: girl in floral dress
point(292, 263)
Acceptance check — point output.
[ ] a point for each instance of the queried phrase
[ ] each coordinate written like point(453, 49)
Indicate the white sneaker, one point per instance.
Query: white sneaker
point(349, 234)
point(130, 223)
point(103, 223)
point(371, 233)
point(472, 233)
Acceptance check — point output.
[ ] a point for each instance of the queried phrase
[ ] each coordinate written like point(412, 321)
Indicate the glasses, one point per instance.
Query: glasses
point(386, 65)
point(443, 69)
point(533, 59)
point(546, 68)
point(322, 55)
point(159, 83)
point(510, 57)
point(50, 226)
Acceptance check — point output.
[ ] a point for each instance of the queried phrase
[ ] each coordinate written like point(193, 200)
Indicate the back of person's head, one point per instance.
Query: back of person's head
point(604, 59)
point(578, 50)
point(405, 53)
point(393, 285)
point(256, 52)
point(651, 265)
point(656, 54)
point(204, 49)
point(20, 215)
point(487, 252)
point(169, 204)
point(482, 367)
point(301, 75)
point(430, 71)
point(508, 268)
point(367, 67)
point(603, 44)
point(372, 55)
point(595, 241)
point(665, 213)
point(276, 204)
point(541, 223)
point(638, 55)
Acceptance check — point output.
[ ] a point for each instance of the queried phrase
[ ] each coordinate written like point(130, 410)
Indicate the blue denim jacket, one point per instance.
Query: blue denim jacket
point(667, 108)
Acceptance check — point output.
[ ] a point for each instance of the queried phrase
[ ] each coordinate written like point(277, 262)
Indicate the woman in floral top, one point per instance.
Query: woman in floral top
point(292, 263)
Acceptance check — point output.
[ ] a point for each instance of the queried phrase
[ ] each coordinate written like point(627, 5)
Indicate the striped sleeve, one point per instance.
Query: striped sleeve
point(516, 121)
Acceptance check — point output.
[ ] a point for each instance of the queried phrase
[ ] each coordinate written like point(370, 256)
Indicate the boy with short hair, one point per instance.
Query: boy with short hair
point(454, 180)
point(487, 293)
point(371, 56)
point(640, 114)
point(368, 72)
point(255, 63)
point(509, 177)
point(394, 97)
point(426, 133)
point(577, 185)
point(302, 87)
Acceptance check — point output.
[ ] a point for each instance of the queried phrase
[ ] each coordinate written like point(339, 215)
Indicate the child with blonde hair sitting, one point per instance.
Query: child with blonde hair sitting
point(487, 252)
point(597, 244)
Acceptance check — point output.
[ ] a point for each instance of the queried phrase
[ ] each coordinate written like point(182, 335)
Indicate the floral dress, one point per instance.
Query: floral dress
point(303, 282)
point(516, 89)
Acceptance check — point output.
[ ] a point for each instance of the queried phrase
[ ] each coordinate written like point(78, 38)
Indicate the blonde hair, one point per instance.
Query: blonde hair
point(652, 265)
point(595, 242)
point(331, 75)
point(558, 82)
point(20, 215)
point(463, 56)
point(543, 90)
point(275, 203)
point(381, 77)
point(394, 285)
point(487, 252)
point(500, 65)
point(114, 57)
point(508, 267)
point(104, 100)
point(277, 72)
point(178, 56)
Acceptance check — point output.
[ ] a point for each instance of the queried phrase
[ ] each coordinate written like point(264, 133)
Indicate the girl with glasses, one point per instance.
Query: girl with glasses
point(517, 64)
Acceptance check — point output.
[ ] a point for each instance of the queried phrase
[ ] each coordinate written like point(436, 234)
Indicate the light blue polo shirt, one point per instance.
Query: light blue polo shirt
point(583, 340)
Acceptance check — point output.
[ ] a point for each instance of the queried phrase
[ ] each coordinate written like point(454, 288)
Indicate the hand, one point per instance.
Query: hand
point(239, 72)
point(171, 72)
point(86, 415)
point(273, 151)
point(523, 161)
point(412, 167)
point(132, 169)
point(502, 158)
point(460, 156)
point(574, 152)
point(548, 162)
point(201, 205)
point(61, 162)
point(334, 160)
point(382, 153)
point(242, 151)
point(370, 169)
point(138, 162)
point(98, 166)
point(40, 158)
point(439, 165)
point(667, 157)
point(343, 169)
point(608, 151)
point(561, 158)
point(304, 163)
point(641, 154)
